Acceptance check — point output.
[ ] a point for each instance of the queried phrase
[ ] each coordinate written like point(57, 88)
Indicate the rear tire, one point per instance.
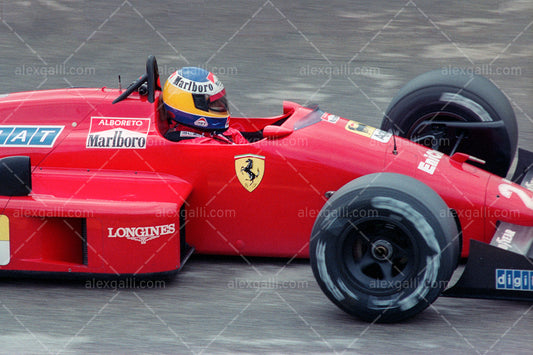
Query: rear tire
point(422, 107)
point(384, 247)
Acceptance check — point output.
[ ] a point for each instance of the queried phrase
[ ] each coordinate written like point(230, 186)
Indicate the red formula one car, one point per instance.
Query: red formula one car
point(89, 185)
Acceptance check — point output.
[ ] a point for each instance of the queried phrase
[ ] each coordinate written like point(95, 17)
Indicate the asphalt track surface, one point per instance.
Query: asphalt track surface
point(350, 58)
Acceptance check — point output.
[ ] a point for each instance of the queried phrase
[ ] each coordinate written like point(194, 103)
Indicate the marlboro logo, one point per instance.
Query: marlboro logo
point(118, 133)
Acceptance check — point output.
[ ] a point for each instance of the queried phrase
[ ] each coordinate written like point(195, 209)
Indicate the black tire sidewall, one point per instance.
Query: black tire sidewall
point(424, 100)
point(424, 93)
point(425, 281)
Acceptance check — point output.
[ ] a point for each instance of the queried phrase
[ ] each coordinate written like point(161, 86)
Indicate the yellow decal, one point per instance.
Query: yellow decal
point(359, 128)
point(5, 254)
point(250, 169)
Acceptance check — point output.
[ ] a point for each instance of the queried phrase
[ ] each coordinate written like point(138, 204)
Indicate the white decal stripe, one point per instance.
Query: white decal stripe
point(507, 191)
point(5, 254)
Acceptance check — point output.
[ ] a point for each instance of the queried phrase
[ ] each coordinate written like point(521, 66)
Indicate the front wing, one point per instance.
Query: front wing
point(503, 268)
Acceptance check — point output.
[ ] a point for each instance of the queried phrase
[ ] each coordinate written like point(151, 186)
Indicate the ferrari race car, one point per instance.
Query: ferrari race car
point(90, 185)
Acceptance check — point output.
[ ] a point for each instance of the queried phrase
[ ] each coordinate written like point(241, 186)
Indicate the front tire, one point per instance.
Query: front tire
point(384, 247)
point(456, 112)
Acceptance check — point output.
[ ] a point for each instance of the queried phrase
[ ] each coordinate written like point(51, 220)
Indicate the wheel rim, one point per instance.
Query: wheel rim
point(441, 138)
point(380, 256)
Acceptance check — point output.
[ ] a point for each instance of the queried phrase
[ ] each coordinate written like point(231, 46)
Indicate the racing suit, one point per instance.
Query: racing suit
point(185, 134)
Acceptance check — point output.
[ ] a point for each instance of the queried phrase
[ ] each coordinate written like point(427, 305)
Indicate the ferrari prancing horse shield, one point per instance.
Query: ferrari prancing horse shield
point(250, 169)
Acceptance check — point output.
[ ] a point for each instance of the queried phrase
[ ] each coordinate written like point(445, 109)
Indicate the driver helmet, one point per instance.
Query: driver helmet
point(196, 98)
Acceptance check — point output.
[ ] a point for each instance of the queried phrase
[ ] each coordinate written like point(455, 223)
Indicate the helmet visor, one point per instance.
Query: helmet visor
point(219, 105)
point(216, 103)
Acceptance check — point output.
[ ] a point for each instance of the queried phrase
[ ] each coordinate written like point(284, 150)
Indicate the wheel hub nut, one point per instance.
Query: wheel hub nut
point(382, 250)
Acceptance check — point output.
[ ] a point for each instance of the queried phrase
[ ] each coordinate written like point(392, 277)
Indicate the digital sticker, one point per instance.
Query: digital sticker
point(516, 280)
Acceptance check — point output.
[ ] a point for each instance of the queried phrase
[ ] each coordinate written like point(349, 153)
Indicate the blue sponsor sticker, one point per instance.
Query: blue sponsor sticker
point(29, 136)
point(517, 280)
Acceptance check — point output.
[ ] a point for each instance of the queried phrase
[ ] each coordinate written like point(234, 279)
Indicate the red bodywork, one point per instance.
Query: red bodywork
point(99, 208)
